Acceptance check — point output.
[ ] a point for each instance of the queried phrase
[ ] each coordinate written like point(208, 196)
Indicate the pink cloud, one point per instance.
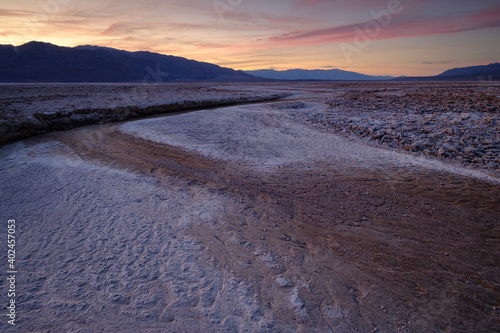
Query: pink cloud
point(353, 4)
point(399, 27)
point(308, 3)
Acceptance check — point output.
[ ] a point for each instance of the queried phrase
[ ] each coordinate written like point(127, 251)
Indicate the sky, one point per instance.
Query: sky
point(378, 37)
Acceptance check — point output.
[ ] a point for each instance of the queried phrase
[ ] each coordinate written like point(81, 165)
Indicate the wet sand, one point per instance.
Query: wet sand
point(235, 220)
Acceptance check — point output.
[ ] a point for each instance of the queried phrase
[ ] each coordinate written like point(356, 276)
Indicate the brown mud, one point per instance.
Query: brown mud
point(326, 249)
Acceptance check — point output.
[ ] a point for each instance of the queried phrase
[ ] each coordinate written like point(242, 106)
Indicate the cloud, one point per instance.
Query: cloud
point(308, 3)
point(282, 34)
point(355, 5)
point(444, 62)
point(124, 28)
point(15, 13)
point(416, 26)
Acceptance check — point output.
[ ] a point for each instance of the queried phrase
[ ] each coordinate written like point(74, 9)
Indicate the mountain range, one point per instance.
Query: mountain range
point(483, 73)
point(45, 62)
point(315, 74)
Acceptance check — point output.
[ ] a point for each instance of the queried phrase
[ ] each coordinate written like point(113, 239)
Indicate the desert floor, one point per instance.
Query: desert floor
point(263, 217)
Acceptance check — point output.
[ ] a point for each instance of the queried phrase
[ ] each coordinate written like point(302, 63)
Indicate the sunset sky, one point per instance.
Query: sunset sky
point(389, 37)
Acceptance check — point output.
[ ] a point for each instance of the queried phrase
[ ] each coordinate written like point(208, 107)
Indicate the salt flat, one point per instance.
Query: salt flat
point(243, 219)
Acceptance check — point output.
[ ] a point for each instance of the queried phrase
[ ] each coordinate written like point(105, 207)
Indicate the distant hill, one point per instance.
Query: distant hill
point(316, 74)
point(474, 71)
point(485, 73)
point(44, 62)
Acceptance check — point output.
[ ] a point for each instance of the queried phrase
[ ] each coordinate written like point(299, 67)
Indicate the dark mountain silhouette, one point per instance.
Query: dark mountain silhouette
point(484, 73)
point(474, 71)
point(315, 74)
point(44, 62)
